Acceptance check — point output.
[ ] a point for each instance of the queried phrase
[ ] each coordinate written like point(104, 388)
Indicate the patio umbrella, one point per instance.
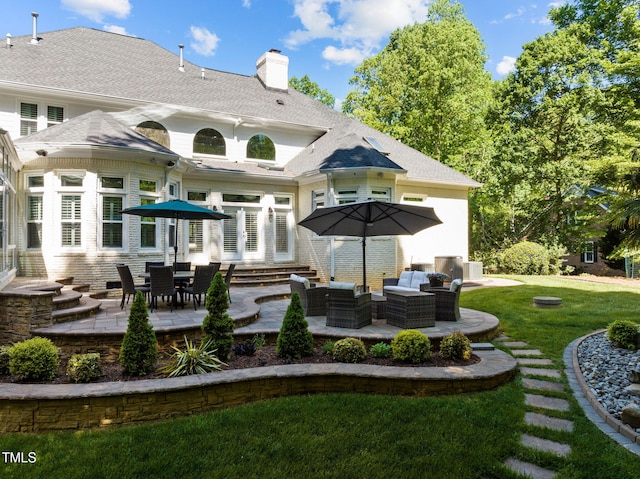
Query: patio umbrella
point(178, 209)
point(370, 218)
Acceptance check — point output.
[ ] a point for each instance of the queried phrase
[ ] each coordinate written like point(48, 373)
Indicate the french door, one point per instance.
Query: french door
point(243, 236)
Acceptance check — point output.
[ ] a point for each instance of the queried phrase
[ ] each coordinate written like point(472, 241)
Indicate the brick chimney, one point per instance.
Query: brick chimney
point(273, 70)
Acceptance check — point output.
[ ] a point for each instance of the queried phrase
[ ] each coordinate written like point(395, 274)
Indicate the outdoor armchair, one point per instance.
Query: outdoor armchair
point(447, 301)
point(314, 299)
point(346, 308)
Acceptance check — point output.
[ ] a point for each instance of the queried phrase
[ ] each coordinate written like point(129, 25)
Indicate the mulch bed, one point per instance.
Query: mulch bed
point(267, 356)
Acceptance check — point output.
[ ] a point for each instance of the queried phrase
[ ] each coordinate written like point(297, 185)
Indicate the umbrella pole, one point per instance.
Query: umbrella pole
point(364, 264)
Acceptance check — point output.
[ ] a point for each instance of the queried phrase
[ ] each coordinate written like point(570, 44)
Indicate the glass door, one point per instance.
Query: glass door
point(243, 235)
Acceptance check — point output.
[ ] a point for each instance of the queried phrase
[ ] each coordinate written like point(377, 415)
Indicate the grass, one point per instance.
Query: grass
point(358, 436)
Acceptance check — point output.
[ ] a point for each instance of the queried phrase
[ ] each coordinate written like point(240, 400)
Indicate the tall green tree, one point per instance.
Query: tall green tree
point(308, 87)
point(428, 86)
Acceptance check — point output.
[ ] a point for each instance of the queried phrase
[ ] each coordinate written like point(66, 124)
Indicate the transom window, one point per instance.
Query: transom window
point(260, 147)
point(209, 142)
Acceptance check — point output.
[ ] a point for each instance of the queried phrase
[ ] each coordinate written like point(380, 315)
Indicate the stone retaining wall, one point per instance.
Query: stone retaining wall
point(21, 312)
point(47, 407)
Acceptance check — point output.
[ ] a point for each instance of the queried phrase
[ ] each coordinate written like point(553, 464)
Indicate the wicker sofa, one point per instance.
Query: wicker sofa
point(314, 299)
point(346, 308)
point(408, 281)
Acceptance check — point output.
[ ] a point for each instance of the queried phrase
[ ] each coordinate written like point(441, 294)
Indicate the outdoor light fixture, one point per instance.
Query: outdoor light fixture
point(270, 214)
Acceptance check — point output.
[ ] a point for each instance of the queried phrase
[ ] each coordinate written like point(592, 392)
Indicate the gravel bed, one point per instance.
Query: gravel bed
point(607, 371)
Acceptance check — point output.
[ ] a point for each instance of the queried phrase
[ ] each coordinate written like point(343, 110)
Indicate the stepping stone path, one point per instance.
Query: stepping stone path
point(545, 405)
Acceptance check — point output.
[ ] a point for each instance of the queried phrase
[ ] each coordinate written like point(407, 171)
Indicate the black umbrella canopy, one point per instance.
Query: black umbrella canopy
point(370, 218)
point(178, 209)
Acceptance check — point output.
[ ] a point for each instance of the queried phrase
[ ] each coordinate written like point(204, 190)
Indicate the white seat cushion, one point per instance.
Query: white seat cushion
point(301, 279)
point(405, 279)
point(418, 278)
point(455, 285)
point(341, 285)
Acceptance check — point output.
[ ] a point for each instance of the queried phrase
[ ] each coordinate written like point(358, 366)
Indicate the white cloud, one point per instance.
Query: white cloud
point(96, 10)
point(508, 64)
point(357, 26)
point(116, 29)
point(246, 3)
point(515, 14)
point(204, 42)
point(343, 56)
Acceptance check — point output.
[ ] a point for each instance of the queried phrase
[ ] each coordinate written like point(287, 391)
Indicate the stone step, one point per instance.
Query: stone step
point(528, 469)
point(526, 352)
point(66, 299)
point(515, 344)
point(544, 402)
point(547, 373)
point(545, 445)
point(86, 307)
point(534, 361)
point(542, 420)
point(542, 385)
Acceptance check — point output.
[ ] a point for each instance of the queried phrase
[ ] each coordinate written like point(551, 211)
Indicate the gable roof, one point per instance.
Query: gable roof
point(121, 67)
point(130, 70)
point(93, 129)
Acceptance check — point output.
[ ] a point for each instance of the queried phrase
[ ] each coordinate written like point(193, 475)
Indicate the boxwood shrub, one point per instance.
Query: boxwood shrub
point(35, 358)
point(411, 346)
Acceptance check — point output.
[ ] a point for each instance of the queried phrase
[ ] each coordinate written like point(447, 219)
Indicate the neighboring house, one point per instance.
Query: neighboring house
point(102, 121)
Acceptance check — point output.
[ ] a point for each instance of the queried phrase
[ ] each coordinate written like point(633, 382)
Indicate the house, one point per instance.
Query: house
point(93, 122)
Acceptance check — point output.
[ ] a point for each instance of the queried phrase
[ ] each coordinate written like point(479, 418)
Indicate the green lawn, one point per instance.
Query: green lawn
point(364, 436)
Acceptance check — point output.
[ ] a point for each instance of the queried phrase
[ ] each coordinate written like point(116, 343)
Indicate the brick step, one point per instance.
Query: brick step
point(86, 307)
point(242, 276)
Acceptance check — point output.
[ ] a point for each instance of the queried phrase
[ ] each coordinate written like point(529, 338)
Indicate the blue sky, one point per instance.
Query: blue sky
point(325, 39)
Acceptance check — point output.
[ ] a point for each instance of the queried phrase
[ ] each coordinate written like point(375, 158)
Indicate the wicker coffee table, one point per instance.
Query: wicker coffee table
point(378, 306)
point(411, 309)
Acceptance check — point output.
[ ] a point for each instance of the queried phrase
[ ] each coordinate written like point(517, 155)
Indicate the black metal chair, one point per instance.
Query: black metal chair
point(162, 285)
point(128, 286)
point(227, 279)
point(202, 278)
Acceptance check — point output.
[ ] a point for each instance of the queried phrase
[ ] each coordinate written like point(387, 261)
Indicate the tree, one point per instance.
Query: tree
point(312, 89)
point(428, 87)
point(217, 325)
point(139, 350)
point(294, 340)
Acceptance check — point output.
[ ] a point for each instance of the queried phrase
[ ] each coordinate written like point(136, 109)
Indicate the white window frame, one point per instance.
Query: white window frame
point(71, 190)
point(153, 197)
point(104, 192)
point(33, 191)
point(286, 211)
point(42, 120)
point(589, 253)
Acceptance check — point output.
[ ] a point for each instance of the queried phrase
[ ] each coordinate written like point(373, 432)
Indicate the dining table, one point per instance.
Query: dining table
point(180, 279)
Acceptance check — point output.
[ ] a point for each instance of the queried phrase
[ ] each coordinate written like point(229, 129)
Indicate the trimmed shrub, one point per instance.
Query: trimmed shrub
point(455, 346)
point(217, 325)
point(411, 346)
point(623, 334)
point(380, 350)
point(194, 359)
point(139, 350)
point(349, 350)
point(35, 358)
point(4, 359)
point(83, 368)
point(294, 340)
point(327, 347)
point(525, 258)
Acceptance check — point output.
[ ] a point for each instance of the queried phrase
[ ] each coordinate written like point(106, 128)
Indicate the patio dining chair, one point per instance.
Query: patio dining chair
point(227, 279)
point(202, 278)
point(128, 286)
point(162, 285)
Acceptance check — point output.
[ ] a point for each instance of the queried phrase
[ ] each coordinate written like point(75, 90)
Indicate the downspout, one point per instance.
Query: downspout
point(171, 165)
point(332, 240)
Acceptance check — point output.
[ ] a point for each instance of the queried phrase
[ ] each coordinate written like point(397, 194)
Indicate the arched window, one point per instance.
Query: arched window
point(261, 147)
point(154, 131)
point(209, 142)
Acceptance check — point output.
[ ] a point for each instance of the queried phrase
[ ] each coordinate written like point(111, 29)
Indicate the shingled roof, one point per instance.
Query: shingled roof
point(92, 129)
point(137, 71)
